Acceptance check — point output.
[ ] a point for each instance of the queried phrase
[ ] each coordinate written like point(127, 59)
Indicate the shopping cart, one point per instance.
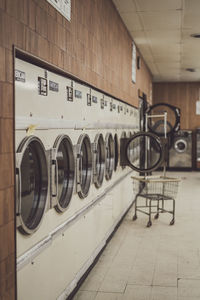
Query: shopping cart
point(155, 189)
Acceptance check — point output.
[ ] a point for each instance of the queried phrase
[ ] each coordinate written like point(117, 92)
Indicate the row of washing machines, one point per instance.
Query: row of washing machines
point(71, 190)
point(48, 177)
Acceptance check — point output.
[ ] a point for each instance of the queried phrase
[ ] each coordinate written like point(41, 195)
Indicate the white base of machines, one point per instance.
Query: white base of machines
point(52, 259)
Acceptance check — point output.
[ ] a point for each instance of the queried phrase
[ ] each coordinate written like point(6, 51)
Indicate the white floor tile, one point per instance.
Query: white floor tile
point(109, 296)
point(189, 288)
point(137, 292)
point(163, 293)
point(142, 263)
point(85, 295)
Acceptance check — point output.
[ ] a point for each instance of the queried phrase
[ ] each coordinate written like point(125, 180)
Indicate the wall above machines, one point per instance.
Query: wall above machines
point(71, 190)
point(99, 54)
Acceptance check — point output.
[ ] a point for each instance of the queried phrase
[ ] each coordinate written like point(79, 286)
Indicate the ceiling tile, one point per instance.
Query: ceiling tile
point(158, 5)
point(191, 21)
point(152, 66)
point(190, 77)
point(167, 51)
point(163, 58)
point(168, 68)
point(192, 5)
point(145, 50)
point(169, 20)
point(139, 37)
point(162, 32)
point(169, 36)
point(125, 6)
point(132, 21)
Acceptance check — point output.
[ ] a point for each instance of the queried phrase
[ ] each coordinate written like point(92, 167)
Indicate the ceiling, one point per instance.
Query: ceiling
point(162, 32)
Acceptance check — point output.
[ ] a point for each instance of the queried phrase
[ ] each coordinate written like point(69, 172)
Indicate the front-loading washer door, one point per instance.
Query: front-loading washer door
point(180, 145)
point(63, 173)
point(99, 160)
point(31, 184)
point(116, 146)
point(156, 125)
point(110, 156)
point(84, 165)
point(138, 152)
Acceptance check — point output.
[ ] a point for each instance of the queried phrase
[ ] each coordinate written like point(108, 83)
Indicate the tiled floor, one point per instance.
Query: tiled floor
point(157, 263)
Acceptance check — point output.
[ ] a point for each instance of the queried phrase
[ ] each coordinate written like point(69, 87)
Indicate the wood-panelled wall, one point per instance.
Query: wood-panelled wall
point(95, 46)
point(183, 95)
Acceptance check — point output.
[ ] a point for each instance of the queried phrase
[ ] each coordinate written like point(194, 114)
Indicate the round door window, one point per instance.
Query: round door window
point(32, 184)
point(180, 146)
point(144, 145)
point(116, 152)
point(109, 156)
point(156, 124)
point(99, 161)
point(123, 136)
point(84, 166)
point(65, 171)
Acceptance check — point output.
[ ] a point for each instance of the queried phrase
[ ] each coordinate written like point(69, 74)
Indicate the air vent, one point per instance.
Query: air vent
point(196, 35)
point(192, 70)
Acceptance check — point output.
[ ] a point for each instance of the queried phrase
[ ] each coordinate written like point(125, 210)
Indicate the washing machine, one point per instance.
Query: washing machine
point(70, 185)
point(180, 154)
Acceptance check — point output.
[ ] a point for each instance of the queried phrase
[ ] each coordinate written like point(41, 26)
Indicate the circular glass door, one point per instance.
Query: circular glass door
point(64, 172)
point(99, 160)
point(109, 156)
point(32, 184)
point(144, 143)
point(123, 135)
point(84, 163)
point(156, 125)
point(116, 145)
point(180, 146)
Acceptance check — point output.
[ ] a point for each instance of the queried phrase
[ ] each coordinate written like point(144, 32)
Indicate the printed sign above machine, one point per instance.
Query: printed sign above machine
point(63, 6)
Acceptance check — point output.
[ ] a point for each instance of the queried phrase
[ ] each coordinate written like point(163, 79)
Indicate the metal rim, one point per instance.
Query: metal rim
point(65, 170)
point(99, 160)
point(84, 166)
point(176, 112)
point(123, 135)
point(161, 152)
point(116, 144)
point(32, 178)
point(176, 145)
point(109, 156)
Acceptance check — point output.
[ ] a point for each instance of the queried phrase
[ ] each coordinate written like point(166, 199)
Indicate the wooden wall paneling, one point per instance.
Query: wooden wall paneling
point(183, 95)
point(95, 46)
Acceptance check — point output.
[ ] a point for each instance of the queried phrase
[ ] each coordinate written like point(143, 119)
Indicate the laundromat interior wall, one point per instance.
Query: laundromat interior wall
point(95, 46)
point(183, 95)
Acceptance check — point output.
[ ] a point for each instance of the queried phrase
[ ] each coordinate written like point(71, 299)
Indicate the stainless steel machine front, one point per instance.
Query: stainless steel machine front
point(180, 155)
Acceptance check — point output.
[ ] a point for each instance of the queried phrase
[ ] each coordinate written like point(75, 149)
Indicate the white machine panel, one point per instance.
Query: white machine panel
point(75, 223)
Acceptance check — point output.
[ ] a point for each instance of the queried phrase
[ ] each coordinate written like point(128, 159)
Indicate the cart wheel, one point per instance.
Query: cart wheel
point(134, 217)
point(156, 216)
point(149, 224)
point(172, 222)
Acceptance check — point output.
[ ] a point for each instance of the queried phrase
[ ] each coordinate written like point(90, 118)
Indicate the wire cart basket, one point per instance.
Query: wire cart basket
point(157, 190)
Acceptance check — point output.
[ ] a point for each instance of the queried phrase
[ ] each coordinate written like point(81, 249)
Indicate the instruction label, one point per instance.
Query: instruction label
point(63, 6)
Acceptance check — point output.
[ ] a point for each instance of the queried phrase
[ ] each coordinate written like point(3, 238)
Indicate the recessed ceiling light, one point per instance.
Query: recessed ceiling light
point(196, 35)
point(190, 70)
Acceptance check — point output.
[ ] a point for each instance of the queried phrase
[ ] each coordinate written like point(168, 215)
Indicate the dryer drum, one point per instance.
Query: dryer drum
point(99, 160)
point(145, 143)
point(32, 184)
point(173, 118)
point(110, 155)
point(180, 146)
point(158, 129)
point(84, 166)
point(116, 151)
point(65, 172)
